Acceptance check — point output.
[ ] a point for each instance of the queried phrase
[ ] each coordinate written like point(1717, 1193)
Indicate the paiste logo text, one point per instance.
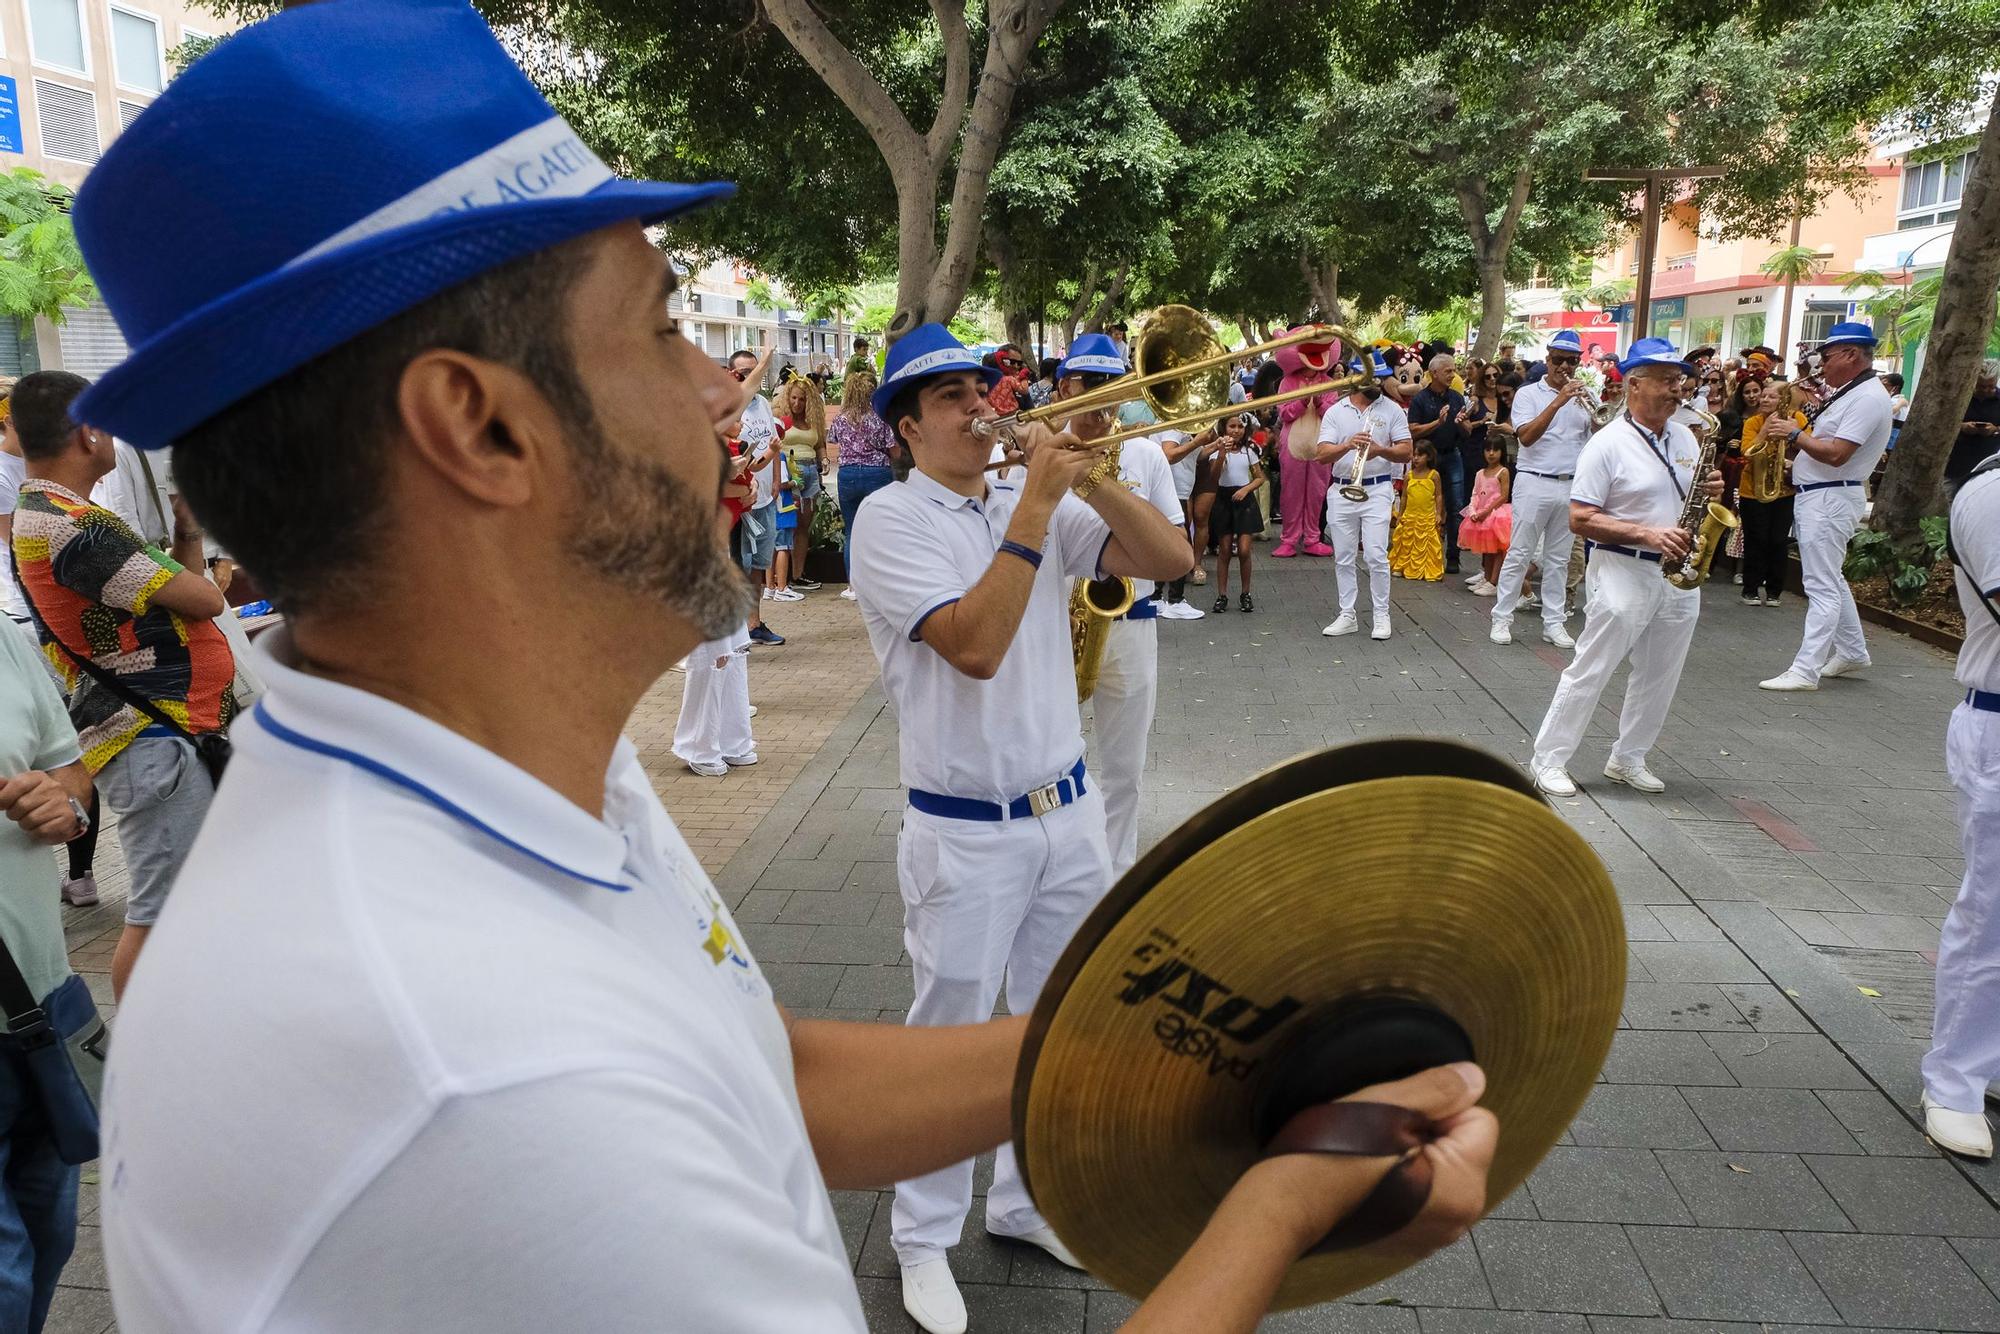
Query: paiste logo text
point(1202, 1017)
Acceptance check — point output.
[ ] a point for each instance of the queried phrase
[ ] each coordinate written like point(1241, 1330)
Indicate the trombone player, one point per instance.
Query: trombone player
point(1552, 420)
point(964, 587)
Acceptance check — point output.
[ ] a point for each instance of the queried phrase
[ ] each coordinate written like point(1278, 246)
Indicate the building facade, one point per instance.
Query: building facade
point(717, 315)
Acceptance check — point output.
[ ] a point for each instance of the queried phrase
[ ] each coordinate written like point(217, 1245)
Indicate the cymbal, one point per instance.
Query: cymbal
point(1347, 917)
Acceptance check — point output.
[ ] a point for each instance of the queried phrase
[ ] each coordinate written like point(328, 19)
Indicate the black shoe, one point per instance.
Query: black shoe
point(1450, 566)
point(807, 584)
point(764, 634)
point(1244, 603)
point(1222, 603)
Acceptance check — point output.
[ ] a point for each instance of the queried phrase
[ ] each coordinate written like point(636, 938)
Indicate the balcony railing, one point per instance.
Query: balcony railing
point(1674, 262)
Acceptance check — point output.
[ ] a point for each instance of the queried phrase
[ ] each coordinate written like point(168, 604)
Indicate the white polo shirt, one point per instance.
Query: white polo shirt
point(1864, 415)
point(1975, 531)
point(1557, 449)
point(1386, 423)
point(918, 546)
point(1622, 474)
point(1143, 467)
point(424, 1045)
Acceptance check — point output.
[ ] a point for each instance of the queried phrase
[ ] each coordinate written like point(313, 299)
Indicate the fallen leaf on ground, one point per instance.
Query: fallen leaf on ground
point(1868, 991)
point(1740, 1171)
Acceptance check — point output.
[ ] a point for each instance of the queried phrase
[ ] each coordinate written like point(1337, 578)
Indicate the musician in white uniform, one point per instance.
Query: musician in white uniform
point(964, 587)
point(1832, 461)
point(1631, 488)
point(1551, 421)
point(1365, 425)
point(1128, 680)
point(1964, 1059)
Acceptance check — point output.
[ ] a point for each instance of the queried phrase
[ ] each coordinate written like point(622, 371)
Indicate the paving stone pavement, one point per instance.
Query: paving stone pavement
point(1749, 1160)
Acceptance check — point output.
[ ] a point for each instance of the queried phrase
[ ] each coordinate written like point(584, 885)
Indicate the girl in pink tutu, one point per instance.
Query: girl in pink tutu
point(1488, 522)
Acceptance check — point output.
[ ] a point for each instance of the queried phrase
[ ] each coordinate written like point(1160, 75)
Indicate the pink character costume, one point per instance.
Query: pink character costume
point(1303, 482)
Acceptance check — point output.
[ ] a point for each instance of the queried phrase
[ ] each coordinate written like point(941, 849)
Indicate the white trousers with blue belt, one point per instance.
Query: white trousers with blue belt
point(1541, 536)
point(1964, 1058)
point(986, 904)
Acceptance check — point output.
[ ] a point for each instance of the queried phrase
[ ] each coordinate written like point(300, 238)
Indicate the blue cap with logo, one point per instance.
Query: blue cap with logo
point(1374, 366)
point(314, 176)
point(1653, 352)
point(1565, 340)
point(925, 351)
point(1092, 354)
point(1851, 331)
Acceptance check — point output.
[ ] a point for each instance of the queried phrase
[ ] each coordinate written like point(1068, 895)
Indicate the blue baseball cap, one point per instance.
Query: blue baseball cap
point(925, 351)
point(1092, 354)
point(1566, 340)
point(1653, 352)
point(314, 176)
point(1852, 331)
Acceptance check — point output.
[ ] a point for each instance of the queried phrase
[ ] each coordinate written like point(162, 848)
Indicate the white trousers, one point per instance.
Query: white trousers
point(1361, 526)
point(1541, 537)
point(715, 705)
point(1965, 1033)
point(985, 903)
point(1824, 520)
point(1629, 610)
point(1121, 716)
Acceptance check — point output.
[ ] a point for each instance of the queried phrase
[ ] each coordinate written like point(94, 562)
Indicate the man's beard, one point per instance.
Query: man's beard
point(653, 535)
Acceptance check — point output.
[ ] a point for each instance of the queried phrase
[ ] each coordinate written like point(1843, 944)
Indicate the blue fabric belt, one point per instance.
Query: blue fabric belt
point(1552, 476)
point(1633, 552)
point(1380, 477)
point(1145, 609)
point(155, 729)
point(1062, 792)
point(1984, 700)
point(1821, 486)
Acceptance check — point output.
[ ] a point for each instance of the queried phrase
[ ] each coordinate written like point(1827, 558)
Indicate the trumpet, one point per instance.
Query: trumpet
point(1354, 490)
point(1600, 411)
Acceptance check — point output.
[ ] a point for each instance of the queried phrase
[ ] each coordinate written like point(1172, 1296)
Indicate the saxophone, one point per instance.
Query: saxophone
point(1095, 603)
point(1763, 470)
point(1705, 521)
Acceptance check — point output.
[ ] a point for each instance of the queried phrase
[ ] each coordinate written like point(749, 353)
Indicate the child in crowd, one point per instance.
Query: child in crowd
point(713, 733)
point(1488, 522)
point(1236, 518)
point(1416, 547)
point(778, 585)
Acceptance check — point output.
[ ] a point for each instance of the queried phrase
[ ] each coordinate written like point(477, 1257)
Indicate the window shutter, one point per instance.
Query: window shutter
point(69, 121)
point(128, 112)
point(91, 343)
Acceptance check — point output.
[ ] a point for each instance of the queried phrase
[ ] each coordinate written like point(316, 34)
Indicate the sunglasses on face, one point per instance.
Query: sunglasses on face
point(1560, 360)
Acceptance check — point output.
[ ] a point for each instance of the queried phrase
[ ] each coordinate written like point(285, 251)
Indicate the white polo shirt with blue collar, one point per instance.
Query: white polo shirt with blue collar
point(918, 546)
point(424, 1045)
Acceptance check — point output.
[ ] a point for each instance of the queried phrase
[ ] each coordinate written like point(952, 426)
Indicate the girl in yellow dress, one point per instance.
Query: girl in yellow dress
point(1416, 547)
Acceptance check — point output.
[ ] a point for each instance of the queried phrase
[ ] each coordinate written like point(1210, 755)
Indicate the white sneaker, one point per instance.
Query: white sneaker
point(1503, 633)
point(743, 761)
point(1554, 781)
point(753, 710)
point(1788, 680)
point(787, 595)
point(1187, 611)
point(847, 593)
point(1380, 630)
point(930, 1295)
point(766, 596)
point(1962, 1133)
point(1482, 589)
point(1044, 1237)
point(707, 769)
point(1640, 779)
point(1839, 666)
point(1476, 577)
point(1559, 637)
point(1532, 602)
point(1344, 624)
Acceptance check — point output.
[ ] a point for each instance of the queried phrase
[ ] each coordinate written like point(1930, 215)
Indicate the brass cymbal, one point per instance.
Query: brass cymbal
point(1308, 934)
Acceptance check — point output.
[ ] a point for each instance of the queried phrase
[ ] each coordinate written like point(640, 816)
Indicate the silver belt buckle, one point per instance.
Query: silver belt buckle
point(1045, 799)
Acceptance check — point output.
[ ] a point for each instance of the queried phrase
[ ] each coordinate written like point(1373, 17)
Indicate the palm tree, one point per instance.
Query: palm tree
point(1793, 265)
point(1919, 309)
point(1603, 295)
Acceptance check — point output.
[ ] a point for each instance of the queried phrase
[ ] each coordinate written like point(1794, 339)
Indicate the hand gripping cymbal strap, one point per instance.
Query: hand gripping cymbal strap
point(1366, 1130)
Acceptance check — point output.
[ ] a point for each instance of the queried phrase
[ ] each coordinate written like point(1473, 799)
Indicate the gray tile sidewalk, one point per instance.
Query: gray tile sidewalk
point(1749, 1160)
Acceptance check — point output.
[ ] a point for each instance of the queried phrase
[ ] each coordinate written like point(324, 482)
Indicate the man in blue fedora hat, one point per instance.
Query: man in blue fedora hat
point(1367, 432)
point(1631, 487)
point(446, 1028)
point(1551, 421)
point(964, 585)
point(1831, 463)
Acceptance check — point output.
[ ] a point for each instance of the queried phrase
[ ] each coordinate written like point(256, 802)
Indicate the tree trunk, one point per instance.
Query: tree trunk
point(1323, 282)
point(1784, 338)
point(1959, 330)
point(1084, 292)
point(1108, 306)
point(1490, 248)
point(1014, 311)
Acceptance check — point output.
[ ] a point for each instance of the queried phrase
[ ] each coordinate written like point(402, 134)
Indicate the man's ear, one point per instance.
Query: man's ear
point(483, 428)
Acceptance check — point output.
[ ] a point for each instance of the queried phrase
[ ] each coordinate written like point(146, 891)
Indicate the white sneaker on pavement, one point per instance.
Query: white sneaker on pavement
point(1788, 680)
point(1475, 577)
point(930, 1295)
point(1044, 1237)
point(848, 593)
point(706, 769)
point(1963, 1133)
point(787, 595)
point(1640, 779)
point(1559, 637)
point(1531, 602)
point(1503, 633)
point(1189, 612)
point(1554, 781)
point(1344, 624)
point(1839, 666)
point(1380, 630)
point(743, 761)
point(1482, 589)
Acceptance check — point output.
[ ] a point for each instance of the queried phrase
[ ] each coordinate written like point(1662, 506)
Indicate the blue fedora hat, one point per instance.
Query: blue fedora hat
point(1566, 340)
point(1851, 331)
point(925, 351)
point(1653, 352)
point(1092, 354)
point(317, 174)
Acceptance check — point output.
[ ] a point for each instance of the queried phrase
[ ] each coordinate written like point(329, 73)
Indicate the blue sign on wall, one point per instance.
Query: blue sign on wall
point(10, 117)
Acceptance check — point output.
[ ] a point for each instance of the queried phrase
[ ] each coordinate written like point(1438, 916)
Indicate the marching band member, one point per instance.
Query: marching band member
point(1830, 471)
point(1964, 1059)
point(1551, 422)
point(1363, 421)
point(1631, 486)
point(964, 587)
point(1129, 678)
